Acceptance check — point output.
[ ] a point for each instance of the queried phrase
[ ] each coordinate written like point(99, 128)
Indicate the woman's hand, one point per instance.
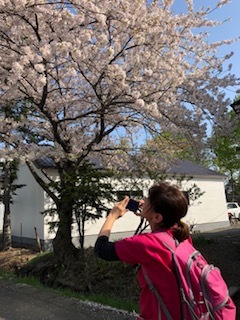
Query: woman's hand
point(139, 211)
point(119, 208)
point(117, 211)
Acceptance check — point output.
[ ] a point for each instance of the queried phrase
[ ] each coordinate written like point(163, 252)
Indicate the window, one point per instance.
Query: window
point(231, 206)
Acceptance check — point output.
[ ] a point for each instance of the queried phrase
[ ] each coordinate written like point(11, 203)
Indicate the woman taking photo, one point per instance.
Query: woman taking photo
point(176, 281)
point(163, 209)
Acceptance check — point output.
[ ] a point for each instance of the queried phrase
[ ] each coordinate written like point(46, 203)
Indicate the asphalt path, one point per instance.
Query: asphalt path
point(24, 302)
point(231, 231)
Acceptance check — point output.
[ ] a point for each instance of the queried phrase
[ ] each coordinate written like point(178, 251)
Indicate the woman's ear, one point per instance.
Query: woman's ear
point(157, 218)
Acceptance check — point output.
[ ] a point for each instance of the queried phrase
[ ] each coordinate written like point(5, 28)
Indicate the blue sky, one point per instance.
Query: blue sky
point(230, 29)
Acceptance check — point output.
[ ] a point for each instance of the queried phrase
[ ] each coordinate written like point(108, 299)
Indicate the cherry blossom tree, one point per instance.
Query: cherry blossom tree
point(85, 73)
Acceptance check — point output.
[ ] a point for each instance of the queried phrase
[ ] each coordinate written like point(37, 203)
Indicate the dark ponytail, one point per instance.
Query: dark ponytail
point(181, 231)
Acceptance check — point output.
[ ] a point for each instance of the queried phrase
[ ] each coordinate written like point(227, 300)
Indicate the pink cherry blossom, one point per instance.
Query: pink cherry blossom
point(91, 72)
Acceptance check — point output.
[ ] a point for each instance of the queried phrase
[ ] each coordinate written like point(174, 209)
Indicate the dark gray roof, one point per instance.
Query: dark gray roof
point(177, 167)
point(44, 162)
point(184, 167)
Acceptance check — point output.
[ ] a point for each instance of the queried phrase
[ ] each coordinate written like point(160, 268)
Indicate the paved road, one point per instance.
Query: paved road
point(23, 302)
point(232, 231)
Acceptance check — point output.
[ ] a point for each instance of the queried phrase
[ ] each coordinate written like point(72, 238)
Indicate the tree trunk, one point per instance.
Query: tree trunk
point(63, 247)
point(66, 253)
point(7, 236)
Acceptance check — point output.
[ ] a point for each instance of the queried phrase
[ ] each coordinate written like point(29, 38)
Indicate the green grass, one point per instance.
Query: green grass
point(32, 281)
point(101, 299)
point(41, 257)
point(6, 275)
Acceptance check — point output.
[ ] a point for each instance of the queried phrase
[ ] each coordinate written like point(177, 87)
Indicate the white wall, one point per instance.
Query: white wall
point(208, 212)
point(28, 203)
point(127, 223)
point(211, 207)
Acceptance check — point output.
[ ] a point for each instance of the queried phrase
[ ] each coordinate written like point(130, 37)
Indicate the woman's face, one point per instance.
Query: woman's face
point(149, 214)
point(147, 210)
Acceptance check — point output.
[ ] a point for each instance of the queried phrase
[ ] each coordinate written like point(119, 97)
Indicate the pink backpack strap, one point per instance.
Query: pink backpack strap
point(161, 304)
point(170, 242)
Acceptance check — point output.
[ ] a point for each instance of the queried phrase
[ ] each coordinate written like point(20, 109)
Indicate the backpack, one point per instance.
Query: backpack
point(203, 292)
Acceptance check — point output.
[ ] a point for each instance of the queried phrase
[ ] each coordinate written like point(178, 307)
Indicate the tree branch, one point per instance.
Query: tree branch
point(42, 183)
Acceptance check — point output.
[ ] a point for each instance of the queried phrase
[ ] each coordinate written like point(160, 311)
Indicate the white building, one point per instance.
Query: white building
point(207, 212)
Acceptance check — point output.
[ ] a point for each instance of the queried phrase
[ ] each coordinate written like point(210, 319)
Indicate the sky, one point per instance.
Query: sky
point(230, 29)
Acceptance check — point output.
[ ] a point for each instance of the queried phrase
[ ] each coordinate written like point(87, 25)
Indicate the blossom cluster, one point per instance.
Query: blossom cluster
point(84, 70)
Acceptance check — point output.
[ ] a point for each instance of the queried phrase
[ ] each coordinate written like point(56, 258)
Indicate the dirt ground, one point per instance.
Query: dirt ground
point(15, 258)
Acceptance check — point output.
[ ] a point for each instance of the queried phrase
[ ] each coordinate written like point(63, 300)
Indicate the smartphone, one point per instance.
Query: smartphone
point(132, 205)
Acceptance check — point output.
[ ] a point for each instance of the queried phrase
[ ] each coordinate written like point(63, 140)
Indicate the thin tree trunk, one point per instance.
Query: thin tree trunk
point(38, 242)
point(233, 188)
point(7, 236)
point(82, 237)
